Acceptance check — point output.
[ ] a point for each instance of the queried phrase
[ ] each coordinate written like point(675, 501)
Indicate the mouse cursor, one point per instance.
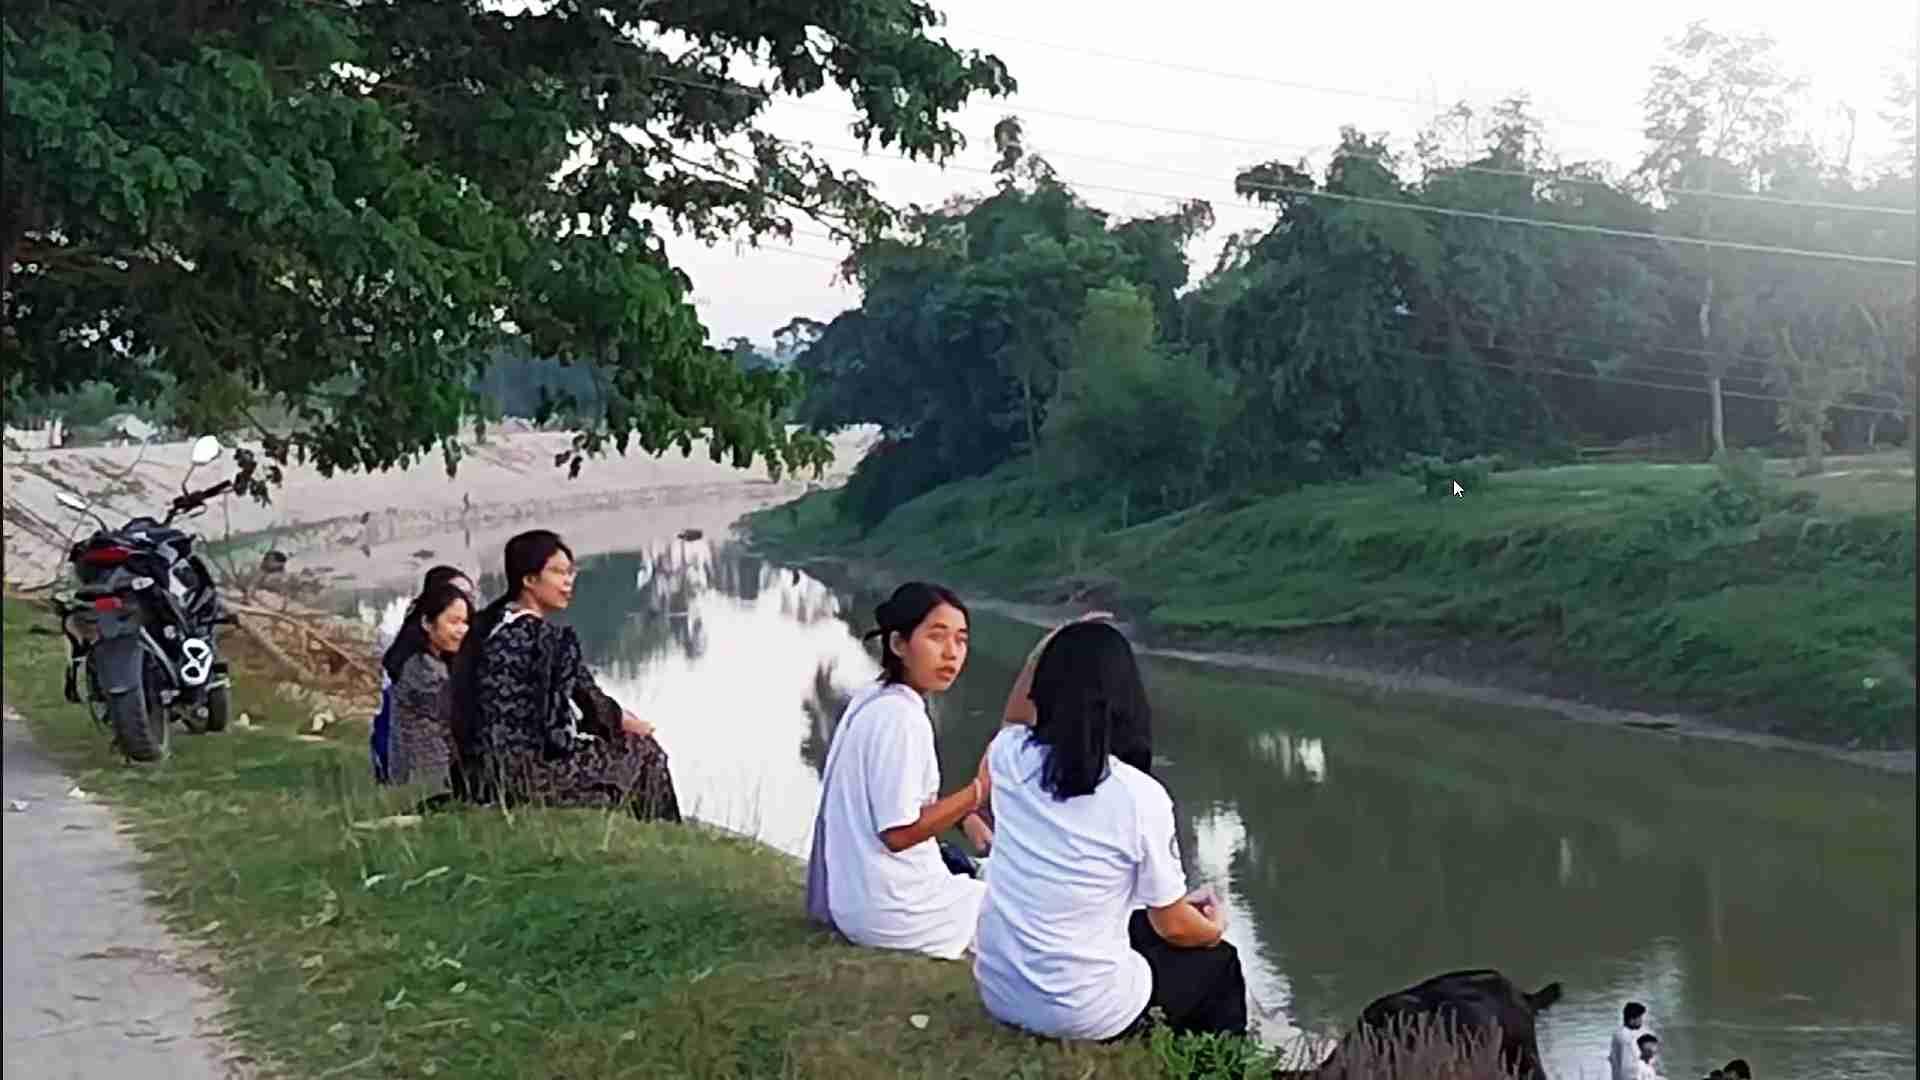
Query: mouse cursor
point(1458, 491)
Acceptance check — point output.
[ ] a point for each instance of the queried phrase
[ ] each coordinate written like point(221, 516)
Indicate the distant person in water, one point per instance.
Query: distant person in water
point(1648, 1047)
point(422, 742)
point(876, 872)
point(1737, 1069)
point(1089, 923)
point(1622, 1055)
point(531, 724)
point(407, 641)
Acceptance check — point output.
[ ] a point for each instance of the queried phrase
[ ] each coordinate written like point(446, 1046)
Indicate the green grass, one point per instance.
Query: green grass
point(549, 944)
point(1789, 607)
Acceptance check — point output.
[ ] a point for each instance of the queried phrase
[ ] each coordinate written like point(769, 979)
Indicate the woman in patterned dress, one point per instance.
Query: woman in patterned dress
point(531, 725)
point(394, 650)
point(420, 751)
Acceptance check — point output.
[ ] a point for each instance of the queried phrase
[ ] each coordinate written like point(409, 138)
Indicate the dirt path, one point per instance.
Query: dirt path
point(94, 985)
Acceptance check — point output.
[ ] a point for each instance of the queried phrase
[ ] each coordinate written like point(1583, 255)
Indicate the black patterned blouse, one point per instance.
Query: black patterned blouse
point(545, 733)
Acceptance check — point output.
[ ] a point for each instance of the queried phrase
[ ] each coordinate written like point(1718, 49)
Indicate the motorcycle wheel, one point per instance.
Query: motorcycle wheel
point(219, 708)
point(97, 699)
point(140, 722)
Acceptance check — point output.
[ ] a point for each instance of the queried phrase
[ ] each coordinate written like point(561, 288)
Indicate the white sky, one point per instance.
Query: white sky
point(1585, 74)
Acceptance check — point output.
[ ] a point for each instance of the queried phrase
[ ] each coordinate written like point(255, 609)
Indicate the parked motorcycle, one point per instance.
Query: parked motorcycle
point(141, 623)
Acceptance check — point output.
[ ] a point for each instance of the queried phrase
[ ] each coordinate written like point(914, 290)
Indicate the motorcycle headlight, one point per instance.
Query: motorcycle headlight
point(142, 584)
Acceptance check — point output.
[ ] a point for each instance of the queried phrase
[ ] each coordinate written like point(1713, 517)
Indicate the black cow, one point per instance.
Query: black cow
point(1470, 1002)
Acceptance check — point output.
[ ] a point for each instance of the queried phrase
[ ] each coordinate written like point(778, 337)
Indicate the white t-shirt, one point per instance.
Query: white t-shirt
point(1053, 955)
point(1624, 1057)
point(881, 770)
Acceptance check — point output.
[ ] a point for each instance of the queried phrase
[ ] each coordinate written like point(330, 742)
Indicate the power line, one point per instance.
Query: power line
point(1548, 178)
point(1636, 348)
point(1559, 373)
point(1417, 102)
point(1633, 364)
point(1626, 346)
point(1475, 215)
point(1596, 377)
point(1558, 177)
point(1263, 80)
point(835, 259)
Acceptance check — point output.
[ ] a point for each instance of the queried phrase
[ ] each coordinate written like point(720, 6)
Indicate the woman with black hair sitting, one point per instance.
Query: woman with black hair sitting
point(531, 725)
point(1088, 923)
point(1133, 740)
point(876, 873)
point(409, 640)
point(420, 749)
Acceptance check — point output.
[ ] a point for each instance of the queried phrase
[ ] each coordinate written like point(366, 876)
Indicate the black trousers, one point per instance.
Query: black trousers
point(1200, 991)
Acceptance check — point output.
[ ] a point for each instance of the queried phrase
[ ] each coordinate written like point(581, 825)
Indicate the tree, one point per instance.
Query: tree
point(746, 356)
point(1338, 332)
point(1544, 301)
point(1718, 109)
point(967, 320)
point(795, 338)
point(1898, 111)
point(1898, 186)
point(257, 199)
point(541, 390)
point(1132, 416)
point(1830, 332)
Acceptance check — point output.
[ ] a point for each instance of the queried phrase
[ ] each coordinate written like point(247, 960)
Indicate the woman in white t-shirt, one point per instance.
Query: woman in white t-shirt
point(876, 872)
point(1088, 923)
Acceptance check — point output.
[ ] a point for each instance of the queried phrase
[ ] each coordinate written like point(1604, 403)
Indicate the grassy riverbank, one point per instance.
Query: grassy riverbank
point(476, 945)
point(1761, 601)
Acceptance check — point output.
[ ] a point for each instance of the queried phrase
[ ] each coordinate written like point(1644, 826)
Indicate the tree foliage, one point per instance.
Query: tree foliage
point(1133, 415)
point(1482, 297)
point(256, 200)
point(968, 319)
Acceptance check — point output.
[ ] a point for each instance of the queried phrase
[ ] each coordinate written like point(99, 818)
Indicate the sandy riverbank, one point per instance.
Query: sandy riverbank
point(384, 518)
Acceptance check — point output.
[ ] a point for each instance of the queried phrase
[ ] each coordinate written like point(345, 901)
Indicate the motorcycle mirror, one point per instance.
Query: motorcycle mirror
point(207, 450)
point(71, 501)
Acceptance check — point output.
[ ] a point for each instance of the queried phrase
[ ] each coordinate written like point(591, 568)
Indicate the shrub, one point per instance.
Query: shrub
point(1135, 417)
point(1435, 474)
point(895, 472)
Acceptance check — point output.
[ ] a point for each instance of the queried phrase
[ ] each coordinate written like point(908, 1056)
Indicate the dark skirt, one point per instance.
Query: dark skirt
point(629, 771)
point(1198, 991)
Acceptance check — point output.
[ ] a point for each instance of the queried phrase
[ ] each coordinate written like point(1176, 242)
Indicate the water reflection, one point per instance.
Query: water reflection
point(1291, 754)
point(1219, 855)
point(1761, 903)
point(743, 667)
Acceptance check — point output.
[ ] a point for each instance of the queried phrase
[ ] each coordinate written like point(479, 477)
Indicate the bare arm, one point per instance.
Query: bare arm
point(1019, 708)
point(979, 832)
point(936, 817)
point(1183, 926)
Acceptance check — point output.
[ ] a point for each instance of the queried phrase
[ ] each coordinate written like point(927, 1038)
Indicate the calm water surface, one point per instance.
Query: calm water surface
point(1762, 904)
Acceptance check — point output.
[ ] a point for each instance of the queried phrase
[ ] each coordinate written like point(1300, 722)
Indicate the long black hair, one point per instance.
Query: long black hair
point(1088, 703)
point(902, 614)
point(411, 640)
point(526, 556)
point(429, 606)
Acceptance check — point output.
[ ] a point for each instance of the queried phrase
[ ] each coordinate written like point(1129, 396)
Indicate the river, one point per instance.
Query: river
point(1762, 903)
